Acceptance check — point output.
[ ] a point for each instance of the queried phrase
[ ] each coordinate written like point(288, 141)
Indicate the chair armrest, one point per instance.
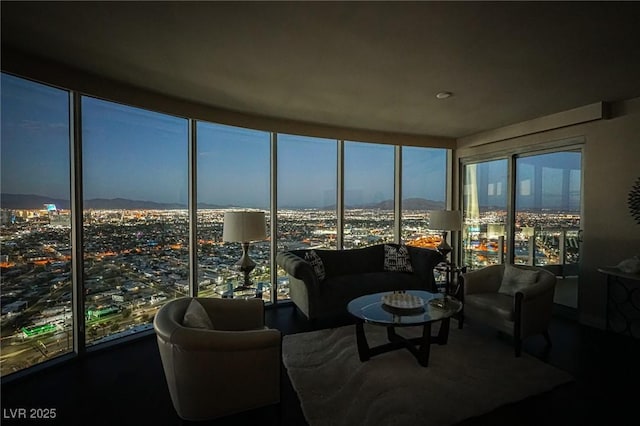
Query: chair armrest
point(297, 267)
point(534, 305)
point(537, 289)
point(194, 339)
point(485, 280)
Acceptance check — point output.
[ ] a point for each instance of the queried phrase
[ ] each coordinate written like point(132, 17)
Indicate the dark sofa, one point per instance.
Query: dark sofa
point(350, 274)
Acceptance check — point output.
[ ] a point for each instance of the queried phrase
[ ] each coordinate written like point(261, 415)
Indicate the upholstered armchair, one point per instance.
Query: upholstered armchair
point(218, 357)
point(517, 300)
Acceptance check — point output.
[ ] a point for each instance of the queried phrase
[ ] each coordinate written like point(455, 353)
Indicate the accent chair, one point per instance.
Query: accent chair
point(218, 357)
point(517, 300)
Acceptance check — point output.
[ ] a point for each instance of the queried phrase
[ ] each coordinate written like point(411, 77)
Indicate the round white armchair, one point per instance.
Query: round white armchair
point(223, 360)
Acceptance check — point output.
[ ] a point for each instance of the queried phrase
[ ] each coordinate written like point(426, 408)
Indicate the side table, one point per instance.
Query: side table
point(454, 285)
point(453, 275)
point(623, 301)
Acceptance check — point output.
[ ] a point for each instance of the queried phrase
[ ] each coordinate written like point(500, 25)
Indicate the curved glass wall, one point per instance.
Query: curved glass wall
point(233, 169)
point(35, 230)
point(424, 184)
point(136, 224)
point(135, 218)
point(368, 194)
point(307, 194)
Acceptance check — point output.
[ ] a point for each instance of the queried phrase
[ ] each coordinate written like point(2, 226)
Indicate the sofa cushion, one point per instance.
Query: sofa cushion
point(500, 305)
point(352, 261)
point(196, 316)
point(397, 259)
point(316, 263)
point(514, 279)
point(347, 287)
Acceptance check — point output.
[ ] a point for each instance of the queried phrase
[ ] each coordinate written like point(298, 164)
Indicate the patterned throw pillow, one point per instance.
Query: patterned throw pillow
point(515, 279)
point(396, 259)
point(316, 262)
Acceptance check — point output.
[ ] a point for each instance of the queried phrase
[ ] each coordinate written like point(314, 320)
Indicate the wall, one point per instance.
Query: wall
point(611, 164)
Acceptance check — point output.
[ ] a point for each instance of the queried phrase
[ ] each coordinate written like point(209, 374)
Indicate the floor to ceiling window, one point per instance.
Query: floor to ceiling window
point(35, 240)
point(233, 169)
point(424, 184)
point(548, 200)
point(135, 216)
point(135, 220)
point(543, 197)
point(485, 197)
point(307, 195)
point(368, 194)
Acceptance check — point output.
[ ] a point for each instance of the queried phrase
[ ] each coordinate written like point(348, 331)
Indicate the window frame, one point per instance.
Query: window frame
point(76, 183)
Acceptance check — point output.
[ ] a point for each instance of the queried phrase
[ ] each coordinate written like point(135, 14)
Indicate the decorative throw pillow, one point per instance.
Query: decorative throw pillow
point(196, 316)
point(396, 259)
point(316, 262)
point(515, 279)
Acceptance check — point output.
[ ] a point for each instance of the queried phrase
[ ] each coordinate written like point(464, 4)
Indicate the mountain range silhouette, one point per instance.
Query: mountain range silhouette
point(31, 201)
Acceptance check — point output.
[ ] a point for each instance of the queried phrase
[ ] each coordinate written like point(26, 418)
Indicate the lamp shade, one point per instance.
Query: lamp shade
point(445, 220)
point(244, 226)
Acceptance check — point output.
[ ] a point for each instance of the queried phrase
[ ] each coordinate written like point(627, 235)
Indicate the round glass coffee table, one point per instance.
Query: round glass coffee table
point(372, 310)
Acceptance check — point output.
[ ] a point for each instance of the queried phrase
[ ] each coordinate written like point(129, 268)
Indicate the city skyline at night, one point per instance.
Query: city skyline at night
point(138, 248)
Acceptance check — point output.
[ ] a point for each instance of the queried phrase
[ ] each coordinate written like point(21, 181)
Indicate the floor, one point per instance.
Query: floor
point(125, 385)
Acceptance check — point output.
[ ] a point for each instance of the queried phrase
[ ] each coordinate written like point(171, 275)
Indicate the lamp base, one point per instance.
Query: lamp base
point(243, 288)
point(245, 265)
point(444, 247)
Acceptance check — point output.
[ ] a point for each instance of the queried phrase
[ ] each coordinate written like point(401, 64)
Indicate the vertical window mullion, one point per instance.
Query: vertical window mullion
point(193, 207)
point(397, 196)
point(77, 237)
point(511, 208)
point(340, 197)
point(454, 236)
point(273, 214)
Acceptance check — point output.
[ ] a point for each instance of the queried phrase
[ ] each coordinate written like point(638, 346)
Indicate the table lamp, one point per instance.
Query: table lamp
point(445, 220)
point(244, 227)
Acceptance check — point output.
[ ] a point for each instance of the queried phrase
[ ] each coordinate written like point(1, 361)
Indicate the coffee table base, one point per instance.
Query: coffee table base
point(418, 346)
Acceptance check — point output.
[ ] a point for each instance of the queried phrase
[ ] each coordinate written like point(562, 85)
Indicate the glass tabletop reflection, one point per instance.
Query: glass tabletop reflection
point(371, 309)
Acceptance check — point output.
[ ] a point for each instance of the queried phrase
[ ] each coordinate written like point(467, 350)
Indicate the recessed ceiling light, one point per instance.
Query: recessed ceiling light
point(444, 95)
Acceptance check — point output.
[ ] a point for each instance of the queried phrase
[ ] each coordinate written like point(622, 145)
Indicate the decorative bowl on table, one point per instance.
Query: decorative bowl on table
point(400, 300)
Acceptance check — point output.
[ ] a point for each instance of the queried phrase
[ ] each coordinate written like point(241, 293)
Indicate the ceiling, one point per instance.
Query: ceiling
point(362, 65)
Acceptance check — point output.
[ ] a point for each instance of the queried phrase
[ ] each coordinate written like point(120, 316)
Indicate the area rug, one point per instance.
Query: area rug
point(471, 375)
